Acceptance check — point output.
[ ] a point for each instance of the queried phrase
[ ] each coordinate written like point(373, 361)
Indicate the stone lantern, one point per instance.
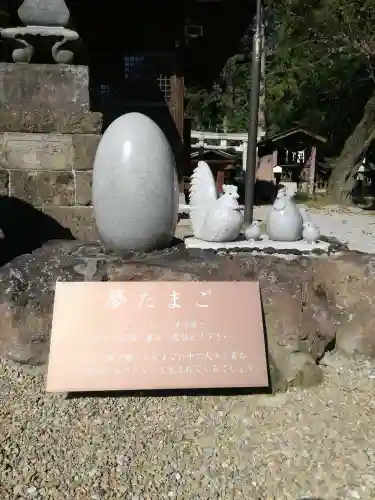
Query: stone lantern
point(46, 18)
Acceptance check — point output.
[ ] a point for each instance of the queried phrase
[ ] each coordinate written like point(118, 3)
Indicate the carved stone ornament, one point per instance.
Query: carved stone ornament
point(25, 53)
point(212, 218)
point(46, 18)
point(285, 220)
point(44, 13)
point(135, 188)
point(310, 232)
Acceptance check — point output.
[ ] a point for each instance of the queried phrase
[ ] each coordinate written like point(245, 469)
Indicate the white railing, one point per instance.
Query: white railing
point(195, 134)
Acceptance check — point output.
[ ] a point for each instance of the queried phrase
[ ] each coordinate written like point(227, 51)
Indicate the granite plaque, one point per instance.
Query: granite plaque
point(156, 335)
point(38, 151)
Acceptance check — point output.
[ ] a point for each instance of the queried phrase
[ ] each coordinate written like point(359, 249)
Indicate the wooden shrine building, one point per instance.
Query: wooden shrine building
point(295, 152)
point(223, 165)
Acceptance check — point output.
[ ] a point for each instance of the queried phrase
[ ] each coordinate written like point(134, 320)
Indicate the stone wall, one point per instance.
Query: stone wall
point(47, 148)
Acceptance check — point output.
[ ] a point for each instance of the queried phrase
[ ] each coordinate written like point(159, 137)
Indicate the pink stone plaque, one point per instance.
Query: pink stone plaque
point(156, 335)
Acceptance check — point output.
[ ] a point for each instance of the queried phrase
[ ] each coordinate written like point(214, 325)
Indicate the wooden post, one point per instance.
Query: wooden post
point(186, 166)
point(176, 107)
point(312, 171)
point(275, 157)
point(220, 180)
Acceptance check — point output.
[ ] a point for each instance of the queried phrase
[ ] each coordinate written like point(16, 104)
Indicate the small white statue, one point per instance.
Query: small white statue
point(310, 232)
point(252, 233)
point(284, 221)
point(213, 218)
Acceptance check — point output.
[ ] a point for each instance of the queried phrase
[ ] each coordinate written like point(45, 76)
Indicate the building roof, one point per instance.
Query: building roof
point(289, 133)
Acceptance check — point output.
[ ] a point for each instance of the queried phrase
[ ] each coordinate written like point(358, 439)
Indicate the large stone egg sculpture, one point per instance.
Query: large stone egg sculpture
point(135, 188)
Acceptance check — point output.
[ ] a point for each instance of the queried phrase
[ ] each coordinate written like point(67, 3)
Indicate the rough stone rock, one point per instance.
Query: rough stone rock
point(348, 282)
point(297, 315)
point(27, 291)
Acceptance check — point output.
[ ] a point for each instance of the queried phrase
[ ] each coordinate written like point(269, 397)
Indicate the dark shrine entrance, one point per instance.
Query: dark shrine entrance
point(135, 61)
point(142, 81)
point(140, 55)
point(137, 80)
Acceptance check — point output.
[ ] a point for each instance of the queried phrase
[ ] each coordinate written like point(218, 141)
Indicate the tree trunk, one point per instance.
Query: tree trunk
point(345, 166)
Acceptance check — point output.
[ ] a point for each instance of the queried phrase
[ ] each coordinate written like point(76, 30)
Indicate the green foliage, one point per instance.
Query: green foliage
point(225, 105)
point(321, 57)
point(320, 71)
point(203, 106)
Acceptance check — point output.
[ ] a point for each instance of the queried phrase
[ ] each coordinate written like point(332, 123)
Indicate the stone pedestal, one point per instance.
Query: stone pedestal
point(48, 141)
point(263, 245)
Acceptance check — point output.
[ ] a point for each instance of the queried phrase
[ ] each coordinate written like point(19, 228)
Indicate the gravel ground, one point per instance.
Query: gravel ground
point(305, 444)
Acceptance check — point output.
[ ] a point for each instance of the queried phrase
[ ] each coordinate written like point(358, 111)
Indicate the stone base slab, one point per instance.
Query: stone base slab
point(4, 183)
point(39, 87)
point(264, 245)
point(50, 121)
point(20, 151)
point(80, 221)
point(43, 188)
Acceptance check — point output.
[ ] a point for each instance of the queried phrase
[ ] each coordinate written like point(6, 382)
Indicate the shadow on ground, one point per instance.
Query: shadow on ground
point(173, 393)
point(25, 229)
